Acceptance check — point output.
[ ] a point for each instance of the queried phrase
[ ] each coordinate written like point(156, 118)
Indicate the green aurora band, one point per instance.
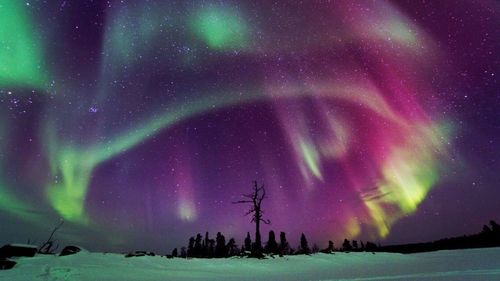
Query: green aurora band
point(21, 53)
point(220, 28)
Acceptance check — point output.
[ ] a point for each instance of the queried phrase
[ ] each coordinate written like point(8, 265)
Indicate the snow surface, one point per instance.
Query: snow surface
point(473, 264)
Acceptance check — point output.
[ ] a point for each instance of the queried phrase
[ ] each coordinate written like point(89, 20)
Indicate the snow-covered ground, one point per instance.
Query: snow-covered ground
point(475, 264)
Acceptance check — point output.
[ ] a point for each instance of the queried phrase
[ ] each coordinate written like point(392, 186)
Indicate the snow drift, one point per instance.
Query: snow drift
point(473, 264)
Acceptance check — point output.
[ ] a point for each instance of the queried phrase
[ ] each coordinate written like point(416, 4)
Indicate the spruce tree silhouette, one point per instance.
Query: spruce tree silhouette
point(174, 253)
point(283, 247)
point(197, 246)
point(494, 226)
point(370, 246)
point(304, 246)
point(248, 242)
point(205, 243)
point(272, 245)
point(190, 250)
point(346, 246)
point(232, 248)
point(220, 246)
point(211, 248)
point(355, 245)
point(486, 229)
point(255, 198)
point(183, 252)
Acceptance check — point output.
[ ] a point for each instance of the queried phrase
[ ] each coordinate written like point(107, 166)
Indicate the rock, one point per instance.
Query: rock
point(6, 264)
point(70, 250)
point(129, 255)
point(18, 250)
point(139, 254)
point(146, 253)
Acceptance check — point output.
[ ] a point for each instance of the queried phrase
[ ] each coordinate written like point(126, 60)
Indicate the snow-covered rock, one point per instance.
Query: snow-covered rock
point(71, 250)
point(18, 250)
point(6, 263)
point(139, 254)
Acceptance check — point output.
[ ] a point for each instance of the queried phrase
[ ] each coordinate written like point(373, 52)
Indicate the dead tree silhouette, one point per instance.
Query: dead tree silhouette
point(255, 198)
point(48, 246)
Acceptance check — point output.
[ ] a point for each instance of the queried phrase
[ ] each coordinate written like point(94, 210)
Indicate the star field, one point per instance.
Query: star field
point(139, 122)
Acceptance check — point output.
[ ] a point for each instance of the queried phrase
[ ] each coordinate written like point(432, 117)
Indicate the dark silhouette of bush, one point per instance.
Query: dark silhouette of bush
point(329, 249)
point(174, 253)
point(315, 248)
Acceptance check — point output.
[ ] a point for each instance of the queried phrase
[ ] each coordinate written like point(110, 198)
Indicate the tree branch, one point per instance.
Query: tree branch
point(242, 201)
point(266, 221)
point(249, 212)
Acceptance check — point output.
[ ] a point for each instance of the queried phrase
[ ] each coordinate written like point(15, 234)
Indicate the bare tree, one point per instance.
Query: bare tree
point(48, 246)
point(255, 198)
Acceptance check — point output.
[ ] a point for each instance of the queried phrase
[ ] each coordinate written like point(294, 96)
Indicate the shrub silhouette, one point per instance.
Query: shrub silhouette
point(329, 249)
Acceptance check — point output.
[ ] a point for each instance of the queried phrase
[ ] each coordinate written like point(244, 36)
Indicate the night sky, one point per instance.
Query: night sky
point(139, 122)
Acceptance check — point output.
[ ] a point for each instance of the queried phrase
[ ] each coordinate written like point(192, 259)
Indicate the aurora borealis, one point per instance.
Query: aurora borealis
point(139, 122)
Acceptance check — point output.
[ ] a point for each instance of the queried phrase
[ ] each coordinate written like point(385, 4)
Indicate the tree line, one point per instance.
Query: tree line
point(199, 247)
point(207, 247)
point(489, 236)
